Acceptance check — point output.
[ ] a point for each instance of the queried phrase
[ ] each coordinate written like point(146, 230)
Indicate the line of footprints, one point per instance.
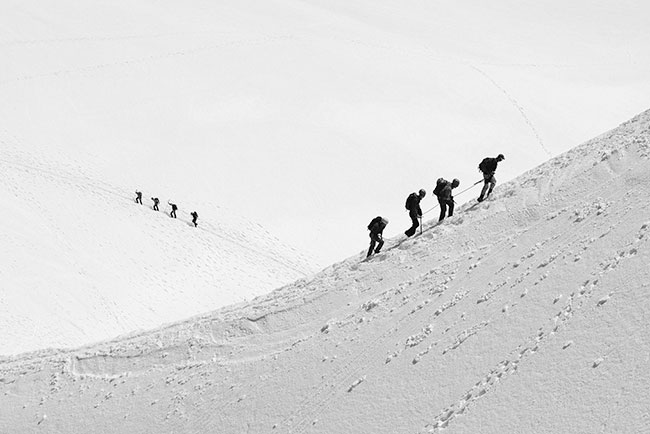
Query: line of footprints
point(575, 301)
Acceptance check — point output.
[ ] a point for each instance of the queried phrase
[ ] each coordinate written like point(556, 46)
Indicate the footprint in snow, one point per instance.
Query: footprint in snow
point(604, 300)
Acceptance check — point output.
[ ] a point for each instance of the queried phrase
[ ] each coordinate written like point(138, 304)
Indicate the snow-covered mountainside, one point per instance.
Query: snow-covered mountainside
point(82, 262)
point(526, 313)
point(313, 116)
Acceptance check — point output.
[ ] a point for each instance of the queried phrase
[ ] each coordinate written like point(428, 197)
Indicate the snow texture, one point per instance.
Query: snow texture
point(415, 340)
point(299, 121)
point(312, 116)
point(82, 262)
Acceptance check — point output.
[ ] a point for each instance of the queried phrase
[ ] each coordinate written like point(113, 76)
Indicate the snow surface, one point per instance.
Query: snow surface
point(314, 116)
point(82, 262)
point(525, 313)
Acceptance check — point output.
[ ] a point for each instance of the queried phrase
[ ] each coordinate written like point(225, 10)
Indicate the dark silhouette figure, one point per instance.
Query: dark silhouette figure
point(138, 197)
point(155, 203)
point(174, 208)
point(376, 228)
point(488, 166)
point(415, 212)
point(194, 217)
point(445, 199)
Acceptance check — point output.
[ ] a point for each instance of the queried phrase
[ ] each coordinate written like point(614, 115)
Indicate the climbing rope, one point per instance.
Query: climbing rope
point(468, 188)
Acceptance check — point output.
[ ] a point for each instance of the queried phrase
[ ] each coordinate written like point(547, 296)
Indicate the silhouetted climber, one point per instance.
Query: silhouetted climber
point(155, 203)
point(138, 197)
point(174, 208)
point(488, 166)
point(415, 212)
point(376, 228)
point(194, 217)
point(445, 198)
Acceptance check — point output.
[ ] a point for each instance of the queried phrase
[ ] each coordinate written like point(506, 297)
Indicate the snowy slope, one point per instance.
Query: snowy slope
point(526, 313)
point(313, 116)
point(83, 262)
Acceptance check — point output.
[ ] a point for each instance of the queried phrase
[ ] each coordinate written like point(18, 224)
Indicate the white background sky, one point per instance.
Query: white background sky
point(312, 117)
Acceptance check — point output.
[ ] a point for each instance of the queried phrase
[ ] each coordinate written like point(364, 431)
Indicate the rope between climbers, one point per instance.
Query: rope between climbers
point(468, 188)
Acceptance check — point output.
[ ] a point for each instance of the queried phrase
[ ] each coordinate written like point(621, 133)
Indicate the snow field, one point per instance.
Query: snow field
point(84, 262)
point(524, 313)
point(334, 109)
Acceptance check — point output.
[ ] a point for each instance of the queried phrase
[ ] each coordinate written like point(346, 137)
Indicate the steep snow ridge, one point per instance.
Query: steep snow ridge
point(83, 262)
point(526, 313)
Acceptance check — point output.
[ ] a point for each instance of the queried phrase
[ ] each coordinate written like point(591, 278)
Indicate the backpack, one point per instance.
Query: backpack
point(174, 207)
point(377, 224)
point(410, 201)
point(483, 165)
point(373, 221)
point(440, 185)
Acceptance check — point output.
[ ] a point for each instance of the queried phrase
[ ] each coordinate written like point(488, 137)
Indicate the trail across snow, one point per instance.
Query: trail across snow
point(83, 262)
point(525, 313)
point(313, 116)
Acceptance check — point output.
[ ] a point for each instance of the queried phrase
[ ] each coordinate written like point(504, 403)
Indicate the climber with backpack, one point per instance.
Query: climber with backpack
point(488, 166)
point(415, 212)
point(138, 197)
point(376, 228)
point(174, 208)
point(445, 199)
point(194, 217)
point(155, 203)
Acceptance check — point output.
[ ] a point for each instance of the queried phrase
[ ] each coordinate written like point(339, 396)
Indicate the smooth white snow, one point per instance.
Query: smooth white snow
point(526, 313)
point(82, 262)
point(306, 118)
point(315, 116)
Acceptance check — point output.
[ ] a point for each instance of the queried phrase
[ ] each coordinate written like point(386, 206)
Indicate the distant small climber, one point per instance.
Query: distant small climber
point(445, 198)
point(174, 208)
point(488, 166)
point(415, 212)
point(155, 203)
point(194, 217)
point(138, 197)
point(376, 228)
